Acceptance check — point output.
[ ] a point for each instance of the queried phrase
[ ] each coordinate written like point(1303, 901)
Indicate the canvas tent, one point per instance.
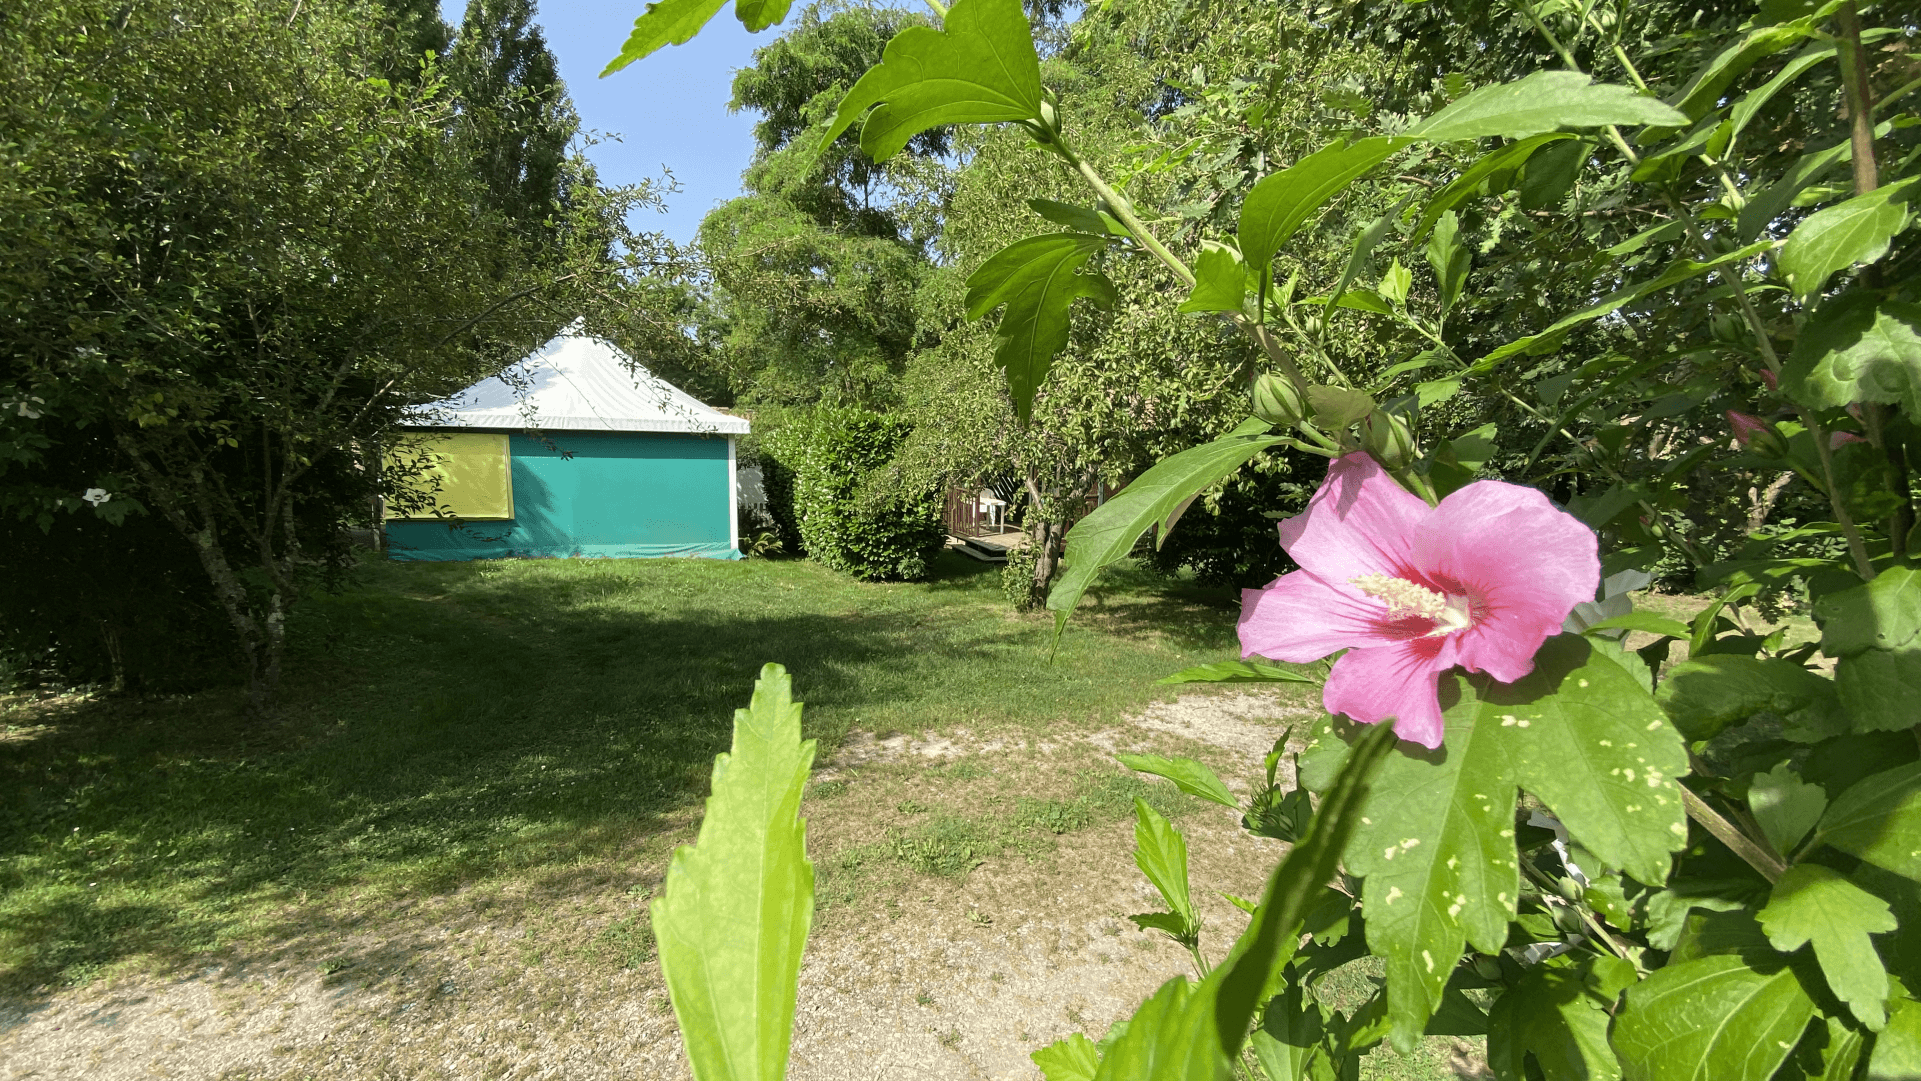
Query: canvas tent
point(574, 452)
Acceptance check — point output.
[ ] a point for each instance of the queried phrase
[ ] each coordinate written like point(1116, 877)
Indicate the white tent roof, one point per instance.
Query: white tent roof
point(578, 383)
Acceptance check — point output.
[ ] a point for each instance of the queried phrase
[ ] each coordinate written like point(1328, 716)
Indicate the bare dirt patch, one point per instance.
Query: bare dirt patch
point(909, 974)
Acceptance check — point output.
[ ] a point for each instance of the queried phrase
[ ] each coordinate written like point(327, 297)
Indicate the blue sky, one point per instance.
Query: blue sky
point(669, 109)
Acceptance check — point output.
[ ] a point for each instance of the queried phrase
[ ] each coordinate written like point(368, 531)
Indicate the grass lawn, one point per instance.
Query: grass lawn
point(449, 724)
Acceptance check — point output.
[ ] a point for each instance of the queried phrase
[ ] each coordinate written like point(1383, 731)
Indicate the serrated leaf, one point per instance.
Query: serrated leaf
point(1816, 904)
point(1880, 689)
point(1704, 695)
point(1897, 1049)
point(1167, 923)
point(1161, 853)
point(1170, 1038)
point(979, 68)
point(1858, 348)
point(1281, 202)
point(1711, 1019)
point(1220, 281)
point(670, 22)
point(1785, 806)
point(1239, 672)
point(1705, 88)
point(738, 903)
point(1844, 235)
point(1071, 1059)
point(1878, 819)
point(1038, 279)
point(1438, 852)
point(1108, 533)
point(1396, 280)
point(1543, 101)
point(1768, 204)
point(1191, 777)
point(1551, 174)
point(1558, 1017)
point(1882, 614)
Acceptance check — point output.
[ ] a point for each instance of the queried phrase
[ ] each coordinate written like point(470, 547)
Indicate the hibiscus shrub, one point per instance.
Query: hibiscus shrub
point(847, 515)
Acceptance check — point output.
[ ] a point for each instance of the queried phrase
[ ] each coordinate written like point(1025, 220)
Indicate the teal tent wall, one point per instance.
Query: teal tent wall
point(619, 495)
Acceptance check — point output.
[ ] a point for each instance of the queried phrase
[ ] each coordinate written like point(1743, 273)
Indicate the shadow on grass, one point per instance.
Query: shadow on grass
point(449, 723)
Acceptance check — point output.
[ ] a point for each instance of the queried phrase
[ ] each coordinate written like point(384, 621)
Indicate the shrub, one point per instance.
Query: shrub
point(1017, 580)
point(777, 454)
point(848, 516)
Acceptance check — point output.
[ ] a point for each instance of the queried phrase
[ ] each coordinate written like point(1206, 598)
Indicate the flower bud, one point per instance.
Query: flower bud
point(1757, 436)
point(1569, 888)
point(1487, 967)
point(1838, 439)
point(1387, 438)
point(1567, 919)
point(1278, 401)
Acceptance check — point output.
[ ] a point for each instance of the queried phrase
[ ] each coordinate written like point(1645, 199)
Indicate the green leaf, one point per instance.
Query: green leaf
point(1882, 614)
point(1643, 621)
point(1455, 462)
point(1878, 819)
point(980, 68)
point(1704, 695)
point(1771, 202)
point(1599, 753)
point(1437, 851)
point(1396, 280)
point(1072, 1059)
point(1277, 206)
point(1239, 672)
point(1338, 407)
point(1077, 218)
point(1897, 1049)
point(738, 903)
point(1038, 279)
point(1170, 1038)
point(1551, 174)
point(1711, 1019)
point(1880, 689)
point(1293, 890)
point(1559, 1016)
point(1751, 103)
point(1108, 533)
point(1511, 156)
point(1189, 776)
point(1844, 235)
point(1161, 853)
point(1858, 348)
point(672, 22)
point(1679, 271)
point(1290, 1034)
point(1785, 806)
point(1815, 904)
point(1543, 101)
point(1357, 257)
point(1705, 89)
point(1449, 258)
point(1220, 281)
point(1363, 300)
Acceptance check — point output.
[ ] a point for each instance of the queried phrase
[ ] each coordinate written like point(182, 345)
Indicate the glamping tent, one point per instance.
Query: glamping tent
point(574, 452)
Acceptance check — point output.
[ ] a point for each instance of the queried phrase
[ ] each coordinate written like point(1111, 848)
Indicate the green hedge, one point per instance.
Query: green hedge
point(868, 531)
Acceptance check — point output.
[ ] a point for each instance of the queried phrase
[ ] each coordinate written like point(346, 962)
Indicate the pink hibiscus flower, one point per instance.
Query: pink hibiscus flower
point(1411, 590)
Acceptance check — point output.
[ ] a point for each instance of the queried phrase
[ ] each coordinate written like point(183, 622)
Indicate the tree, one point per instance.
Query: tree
point(241, 254)
point(516, 118)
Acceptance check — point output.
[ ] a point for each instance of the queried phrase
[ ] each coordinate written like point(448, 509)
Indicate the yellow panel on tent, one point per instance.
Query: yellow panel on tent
point(475, 482)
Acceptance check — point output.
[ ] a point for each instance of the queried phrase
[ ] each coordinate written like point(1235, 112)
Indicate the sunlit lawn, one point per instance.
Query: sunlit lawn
point(447, 724)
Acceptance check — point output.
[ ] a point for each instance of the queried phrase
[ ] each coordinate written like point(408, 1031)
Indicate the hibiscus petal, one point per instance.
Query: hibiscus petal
point(1524, 562)
point(1399, 681)
point(1360, 522)
point(1302, 617)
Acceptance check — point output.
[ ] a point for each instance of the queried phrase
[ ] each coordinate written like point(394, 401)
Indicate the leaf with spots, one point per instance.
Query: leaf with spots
point(1597, 749)
point(1436, 846)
